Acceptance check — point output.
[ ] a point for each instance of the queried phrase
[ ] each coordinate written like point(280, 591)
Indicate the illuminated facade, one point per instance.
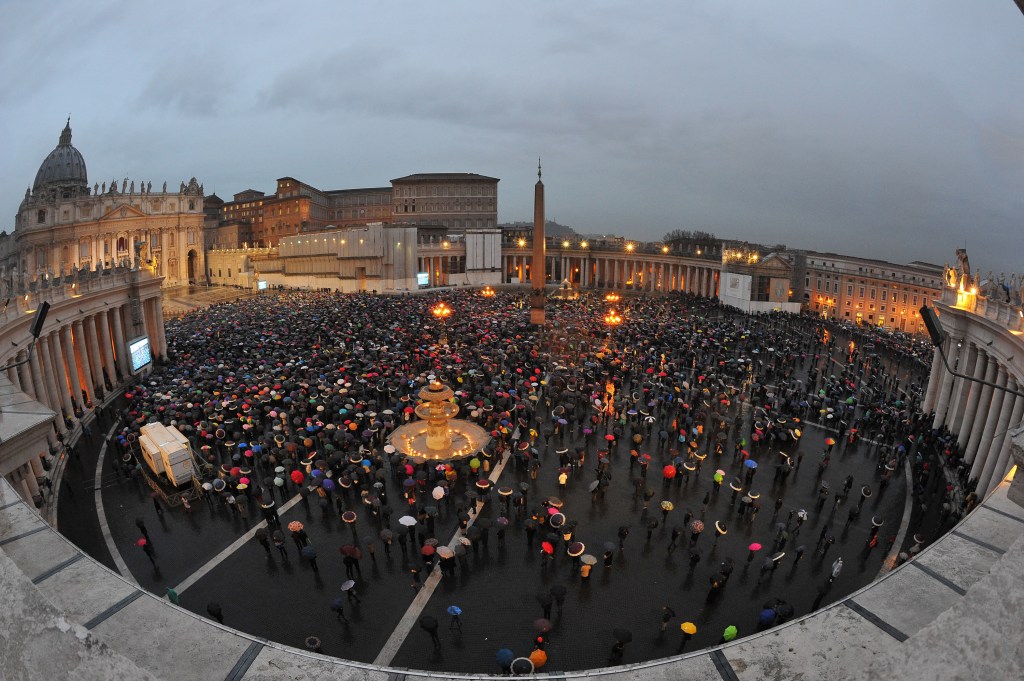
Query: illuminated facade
point(862, 290)
point(63, 224)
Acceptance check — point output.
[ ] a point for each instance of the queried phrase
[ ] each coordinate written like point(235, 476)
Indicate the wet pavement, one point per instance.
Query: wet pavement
point(284, 600)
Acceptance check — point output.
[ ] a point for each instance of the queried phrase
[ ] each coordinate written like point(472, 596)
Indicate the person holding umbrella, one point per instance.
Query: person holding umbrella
point(429, 625)
point(688, 629)
point(456, 613)
point(337, 605)
point(309, 553)
point(837, 567)
point(667, 614)
point(588, 561)
point(147, 548)
point(622, 637)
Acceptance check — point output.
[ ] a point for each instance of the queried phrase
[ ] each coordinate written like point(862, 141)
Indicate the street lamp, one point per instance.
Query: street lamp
point(442, 312)
point(488, 292)
point(613, 297)
point(613, 318)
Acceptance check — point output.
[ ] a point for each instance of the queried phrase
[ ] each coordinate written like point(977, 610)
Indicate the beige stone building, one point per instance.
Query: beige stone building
point(63, 224)
point(863, 290)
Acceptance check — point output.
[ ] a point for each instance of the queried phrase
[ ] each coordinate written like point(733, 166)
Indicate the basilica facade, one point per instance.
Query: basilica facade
point(64, 225)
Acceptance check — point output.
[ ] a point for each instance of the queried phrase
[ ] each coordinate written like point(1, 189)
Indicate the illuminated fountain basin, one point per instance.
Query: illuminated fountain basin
point(438, 435)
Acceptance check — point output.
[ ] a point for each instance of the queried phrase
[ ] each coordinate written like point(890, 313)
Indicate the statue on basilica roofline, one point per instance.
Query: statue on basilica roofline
point(950, 275)
point(964, 268)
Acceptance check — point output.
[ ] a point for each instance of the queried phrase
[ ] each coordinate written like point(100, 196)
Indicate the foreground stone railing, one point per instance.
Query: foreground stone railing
point(953, 612)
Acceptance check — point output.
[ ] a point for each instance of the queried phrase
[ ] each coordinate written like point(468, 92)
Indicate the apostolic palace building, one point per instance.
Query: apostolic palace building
point(98, 259)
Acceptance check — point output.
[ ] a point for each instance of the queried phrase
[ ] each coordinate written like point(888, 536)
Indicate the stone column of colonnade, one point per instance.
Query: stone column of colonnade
point(70, 360)
point(48, 357)
point(1013, 409)
point(84, 369)
point(986, 465)
point(23, 479)
point(103, 324)
point(990, 419)
point(92, 345)
point(984, 400)
point(155, 326)
point(943, 395)
point(117, 323)
point(72, 364)
point(933, 382)
point(12, 373)
point(962, 388)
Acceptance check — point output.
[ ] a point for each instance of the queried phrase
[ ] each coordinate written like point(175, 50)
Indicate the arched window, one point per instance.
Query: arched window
point(122, 244)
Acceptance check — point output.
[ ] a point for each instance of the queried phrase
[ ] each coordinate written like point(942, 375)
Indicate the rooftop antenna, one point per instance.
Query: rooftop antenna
point(538, 167)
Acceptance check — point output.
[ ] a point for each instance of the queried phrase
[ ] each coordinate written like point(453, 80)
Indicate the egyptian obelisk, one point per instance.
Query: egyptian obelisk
point(538, 273)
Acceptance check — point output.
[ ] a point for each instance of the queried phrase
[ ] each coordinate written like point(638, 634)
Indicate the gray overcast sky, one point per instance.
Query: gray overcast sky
point(879, 128)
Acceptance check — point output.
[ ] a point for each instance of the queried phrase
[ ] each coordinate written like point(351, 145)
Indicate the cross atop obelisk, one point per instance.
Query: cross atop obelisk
point(538, 269)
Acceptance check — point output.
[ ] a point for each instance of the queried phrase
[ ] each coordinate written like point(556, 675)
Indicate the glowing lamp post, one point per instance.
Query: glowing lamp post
point(442, 312)
point(488, 292)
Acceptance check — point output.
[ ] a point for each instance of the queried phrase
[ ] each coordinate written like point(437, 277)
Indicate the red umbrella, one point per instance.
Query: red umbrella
point(141, 541)
point(669, 472)
point(609, 437)
point(297, 477)
point(427, 550)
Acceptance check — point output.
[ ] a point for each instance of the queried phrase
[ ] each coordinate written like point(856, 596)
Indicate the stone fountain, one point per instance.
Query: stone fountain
point(438, 435)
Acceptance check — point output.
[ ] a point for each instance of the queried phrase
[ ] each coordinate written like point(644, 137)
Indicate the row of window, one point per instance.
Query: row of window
point(446, 190)
point(409, 206)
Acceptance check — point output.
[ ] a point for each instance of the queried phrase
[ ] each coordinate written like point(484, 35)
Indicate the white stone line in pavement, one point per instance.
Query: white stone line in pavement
point(231, 548)
point(412, 614)
point(908, 506)
point(115, 555)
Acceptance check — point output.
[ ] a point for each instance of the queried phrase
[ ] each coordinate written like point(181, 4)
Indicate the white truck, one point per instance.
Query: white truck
point(167, 451)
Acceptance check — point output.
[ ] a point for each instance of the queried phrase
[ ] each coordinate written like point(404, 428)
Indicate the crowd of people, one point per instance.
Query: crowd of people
point(686, 420)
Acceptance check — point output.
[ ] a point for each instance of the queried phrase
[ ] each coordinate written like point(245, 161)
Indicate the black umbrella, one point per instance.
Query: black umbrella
point(521, 666)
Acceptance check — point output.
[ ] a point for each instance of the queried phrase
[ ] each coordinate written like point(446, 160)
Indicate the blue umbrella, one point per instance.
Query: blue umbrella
point(456, 610)
point(504, 657)
point(750, 463)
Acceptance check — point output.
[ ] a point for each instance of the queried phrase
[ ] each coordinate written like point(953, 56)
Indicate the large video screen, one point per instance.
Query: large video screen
point(140, 353)
point(261, 285)
point(423, 278)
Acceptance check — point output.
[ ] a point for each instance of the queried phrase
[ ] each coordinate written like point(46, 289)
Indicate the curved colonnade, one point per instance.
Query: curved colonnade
point(953, 609)
point(614, 269)
point(81, 355)
point(984, 342)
